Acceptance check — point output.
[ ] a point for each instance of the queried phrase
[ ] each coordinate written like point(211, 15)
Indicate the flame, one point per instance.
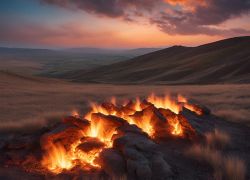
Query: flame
point(75, 113)
point(97, 130)
point(86, 158)
point(165, 102)
point(144, 124)
point(113, 100)
point(181, 99)
point(188, 105)
point(137, 106)
point(57, 160)
point(176, 126)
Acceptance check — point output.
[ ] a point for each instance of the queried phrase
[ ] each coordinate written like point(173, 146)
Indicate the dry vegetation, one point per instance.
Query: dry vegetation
point(224, 166)
point(33, 101)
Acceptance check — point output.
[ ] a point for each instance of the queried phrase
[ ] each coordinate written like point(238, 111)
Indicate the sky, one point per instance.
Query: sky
point(120, 23)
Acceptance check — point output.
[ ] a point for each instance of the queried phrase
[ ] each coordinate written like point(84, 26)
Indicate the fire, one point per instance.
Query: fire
point(144, 124)
point(177, 128)
point(166, 102)
point(97, 130)
point(137, 106)
point(86, 158)
point(181, 99)
point(57, 160)
point(188, 105)
point(75, 113)
point(101, 129)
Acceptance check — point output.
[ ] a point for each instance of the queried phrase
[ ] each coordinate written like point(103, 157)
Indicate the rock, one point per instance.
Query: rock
point(197, 108)
point(111, 108)
point(134, 140)
point(64, 134)
point(138, 170)
point(145, 104)
point(151, 113)
point(112, 163)
point(143, 171)
point(201, 124)
point(133, 105)
point(133, 154)
point(188, 130)
point(137, 150)
point(129, 128)
point(107, 121)
point(89, 144)
point(152, 117)
point(160, 168)
point(78, 122)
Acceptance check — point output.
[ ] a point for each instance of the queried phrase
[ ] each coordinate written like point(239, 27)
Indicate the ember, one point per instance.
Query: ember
point(100, 132)
point(117, 138)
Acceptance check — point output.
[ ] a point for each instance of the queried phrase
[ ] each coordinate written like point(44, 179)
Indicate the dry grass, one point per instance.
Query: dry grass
point(217, 139)
point(234, 168)
point(224, 166)
point(25, 100)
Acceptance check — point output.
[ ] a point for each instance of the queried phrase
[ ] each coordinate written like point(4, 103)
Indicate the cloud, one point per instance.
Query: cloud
point(185, 17)
point(196, 20)
point(110, 8)
point(66, 34)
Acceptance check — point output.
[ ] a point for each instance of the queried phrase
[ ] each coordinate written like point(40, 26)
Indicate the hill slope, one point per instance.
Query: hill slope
point(54, 63)
point(225, 61)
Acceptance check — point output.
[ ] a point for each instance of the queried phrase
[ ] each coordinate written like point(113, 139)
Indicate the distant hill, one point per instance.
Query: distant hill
point(131, 52)
point(57, 62)
point(225, 61)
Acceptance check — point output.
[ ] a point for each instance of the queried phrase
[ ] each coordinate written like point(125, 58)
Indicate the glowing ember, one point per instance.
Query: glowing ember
point(188, 105)
point(177, 129)
point(57, 160)
point(102, 123)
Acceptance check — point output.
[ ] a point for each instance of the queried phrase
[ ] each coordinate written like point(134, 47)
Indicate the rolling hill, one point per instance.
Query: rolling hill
point(225, 61)
point(54, 62)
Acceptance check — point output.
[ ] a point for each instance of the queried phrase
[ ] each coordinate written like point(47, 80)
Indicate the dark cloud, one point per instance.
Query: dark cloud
point(201, 17)
point(110, 8)
point(171, 16)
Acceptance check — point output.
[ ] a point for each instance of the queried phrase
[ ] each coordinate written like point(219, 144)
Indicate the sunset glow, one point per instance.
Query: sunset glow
point(124, 24)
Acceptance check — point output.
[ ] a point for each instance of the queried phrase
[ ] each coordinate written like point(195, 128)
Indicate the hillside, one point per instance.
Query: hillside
point(57, 62)
point(225, 61)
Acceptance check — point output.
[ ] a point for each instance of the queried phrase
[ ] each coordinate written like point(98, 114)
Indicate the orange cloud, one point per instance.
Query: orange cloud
point(189, 5)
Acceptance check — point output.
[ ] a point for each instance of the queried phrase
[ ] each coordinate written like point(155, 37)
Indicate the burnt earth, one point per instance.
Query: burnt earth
point(134, 154)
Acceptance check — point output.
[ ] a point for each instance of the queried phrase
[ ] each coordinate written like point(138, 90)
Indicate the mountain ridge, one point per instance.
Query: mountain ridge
point(224, 61)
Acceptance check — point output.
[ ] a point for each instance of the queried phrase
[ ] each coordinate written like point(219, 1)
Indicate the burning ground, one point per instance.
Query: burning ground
point(154, 138)
point(215, 148)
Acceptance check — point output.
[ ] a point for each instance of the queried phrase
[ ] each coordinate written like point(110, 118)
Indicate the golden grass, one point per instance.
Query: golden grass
point(217, 139)
point(25, 100)
point(225, 166)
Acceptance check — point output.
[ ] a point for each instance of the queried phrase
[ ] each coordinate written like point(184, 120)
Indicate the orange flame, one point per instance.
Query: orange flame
point(137, 106)
point(57, 160)
point(177, 128)
point(188, 105)
point(165, 102)
point(97, 130)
